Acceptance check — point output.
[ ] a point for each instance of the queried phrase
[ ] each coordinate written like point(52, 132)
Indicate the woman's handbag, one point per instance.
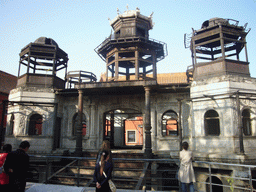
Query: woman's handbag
point(111, 183)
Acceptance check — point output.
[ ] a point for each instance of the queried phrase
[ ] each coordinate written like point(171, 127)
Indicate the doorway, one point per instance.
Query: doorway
point(217, 184)
point(124, 129)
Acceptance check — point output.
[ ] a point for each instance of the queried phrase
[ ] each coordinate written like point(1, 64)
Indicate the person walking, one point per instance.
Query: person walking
point(186, 172)
point(4, 178)
point(16, 166)
point(102, 173)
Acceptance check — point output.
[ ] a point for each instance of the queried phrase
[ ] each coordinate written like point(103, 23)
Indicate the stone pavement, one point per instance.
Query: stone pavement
point(38, 187)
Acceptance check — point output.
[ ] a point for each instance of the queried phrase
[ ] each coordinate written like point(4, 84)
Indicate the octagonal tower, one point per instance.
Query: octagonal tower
point(129, 53)
point(217, 49)
point(42, 60)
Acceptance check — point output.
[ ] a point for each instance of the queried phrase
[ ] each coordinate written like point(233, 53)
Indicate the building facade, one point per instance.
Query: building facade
point(8, 82)
point(214, 110)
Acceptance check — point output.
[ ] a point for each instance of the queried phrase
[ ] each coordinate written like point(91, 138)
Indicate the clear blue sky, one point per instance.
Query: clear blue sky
point(79, 26)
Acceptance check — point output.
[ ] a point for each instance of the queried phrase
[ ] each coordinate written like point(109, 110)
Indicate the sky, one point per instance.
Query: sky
point(79, 26)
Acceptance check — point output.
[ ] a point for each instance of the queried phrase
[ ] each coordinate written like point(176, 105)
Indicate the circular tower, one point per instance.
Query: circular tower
point(74, 78)
point(42, 60)
point(216, 48)
point(129, 53)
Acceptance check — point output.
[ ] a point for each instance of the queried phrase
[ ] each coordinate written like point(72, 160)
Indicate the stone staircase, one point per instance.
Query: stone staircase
point(125, 173)
point(128, 169)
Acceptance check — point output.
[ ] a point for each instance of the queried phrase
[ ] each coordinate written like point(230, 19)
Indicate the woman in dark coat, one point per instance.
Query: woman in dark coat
point(102, 172)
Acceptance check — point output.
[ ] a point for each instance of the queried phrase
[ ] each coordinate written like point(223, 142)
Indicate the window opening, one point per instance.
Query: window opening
point(246, 120)
point(131, 136)
point(76, 124)
point(35, 125)
point(216, 184)
point(11, 124)
point(212, 124)
point(170, 123)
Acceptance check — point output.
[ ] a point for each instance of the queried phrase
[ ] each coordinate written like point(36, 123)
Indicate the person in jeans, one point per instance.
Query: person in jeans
point(186, 172)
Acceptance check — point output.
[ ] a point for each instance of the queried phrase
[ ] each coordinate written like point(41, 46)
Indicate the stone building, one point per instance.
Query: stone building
point(212, 105)
point(8, 82)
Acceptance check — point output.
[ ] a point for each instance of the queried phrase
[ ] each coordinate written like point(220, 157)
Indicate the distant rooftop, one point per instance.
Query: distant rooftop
point(162, 78)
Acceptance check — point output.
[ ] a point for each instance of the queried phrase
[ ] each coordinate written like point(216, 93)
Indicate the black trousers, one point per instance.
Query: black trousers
point(17, 185)
point(5, 188)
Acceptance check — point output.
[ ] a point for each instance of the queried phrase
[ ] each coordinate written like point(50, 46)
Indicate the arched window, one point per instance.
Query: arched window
point(35, 125)
point(11, 124)
point(212, 123)
point(75, 124)
point(246, 120)
point(217, 185)
point(170, 123)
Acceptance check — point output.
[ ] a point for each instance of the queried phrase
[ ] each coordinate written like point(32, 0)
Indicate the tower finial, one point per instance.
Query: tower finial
point(117, 11)
point(127, 7)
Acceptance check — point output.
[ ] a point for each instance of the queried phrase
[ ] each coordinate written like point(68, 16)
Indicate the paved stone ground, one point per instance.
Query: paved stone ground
point(37, 187)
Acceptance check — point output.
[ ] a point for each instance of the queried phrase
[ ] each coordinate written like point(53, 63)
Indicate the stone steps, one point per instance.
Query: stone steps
point(125, 173)
point(128, 167)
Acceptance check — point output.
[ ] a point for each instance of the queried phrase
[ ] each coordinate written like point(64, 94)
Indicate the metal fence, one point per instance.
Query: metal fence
point(239, 179)
point(142, 174)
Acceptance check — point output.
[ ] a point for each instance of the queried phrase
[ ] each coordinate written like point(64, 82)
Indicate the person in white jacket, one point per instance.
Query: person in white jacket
point(186, 172)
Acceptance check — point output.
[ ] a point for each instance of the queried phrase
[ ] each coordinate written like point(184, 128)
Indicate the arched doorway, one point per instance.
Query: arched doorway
point(217, 184)
point(123, 128)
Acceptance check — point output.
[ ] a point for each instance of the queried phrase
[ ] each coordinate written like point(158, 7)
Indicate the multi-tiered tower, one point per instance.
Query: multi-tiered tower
point(222, 91)
point(217, 49)
point(42, 60)
point(34, 100)
point(129, 52)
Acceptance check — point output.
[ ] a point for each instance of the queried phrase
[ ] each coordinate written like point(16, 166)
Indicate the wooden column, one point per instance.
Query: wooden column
point(194, 61)
point(212, 54)
point(154, 65)
point(116, 65)
point(27, 78)
point(245, 49)
point(222, 43)
point(107, 69)
point(147, 125)
point(19, 68)
point(79, 137)
point(54, 68)
point(137, 64)
point(127, 74)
